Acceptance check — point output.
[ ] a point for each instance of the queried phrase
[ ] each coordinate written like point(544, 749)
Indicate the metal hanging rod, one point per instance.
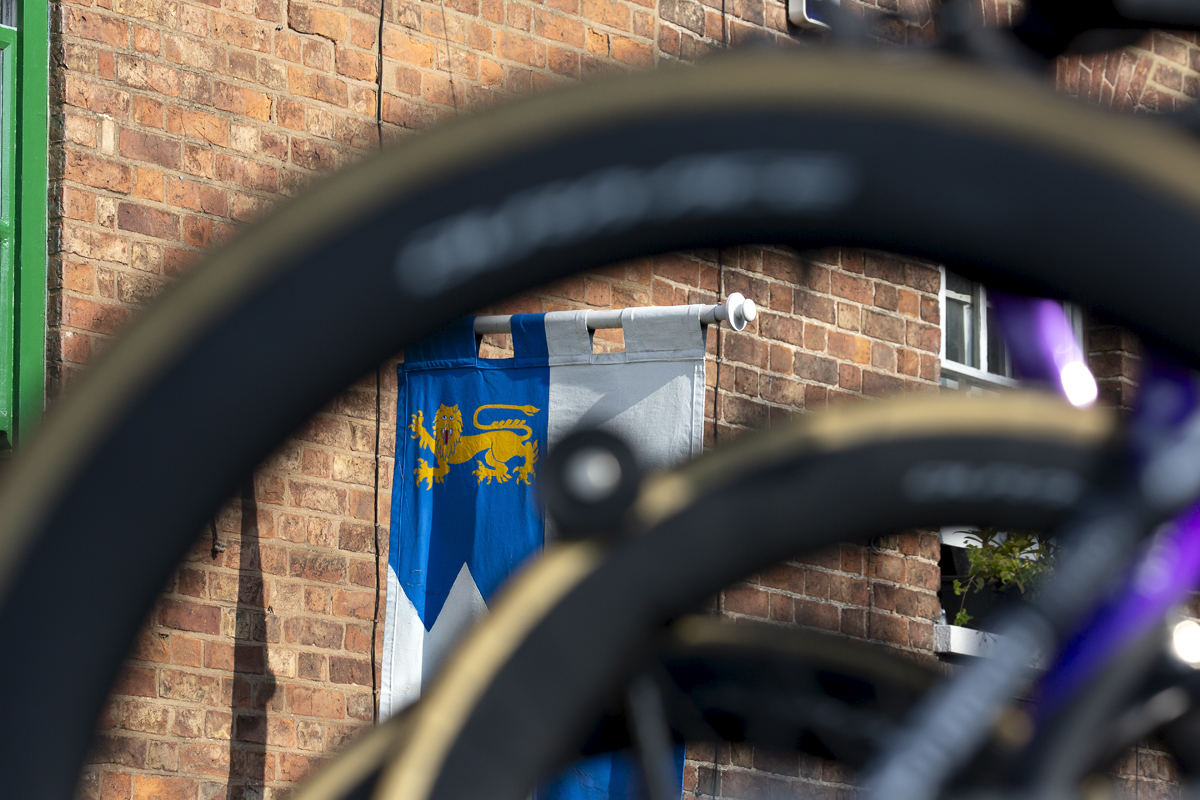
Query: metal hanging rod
point(737, 311)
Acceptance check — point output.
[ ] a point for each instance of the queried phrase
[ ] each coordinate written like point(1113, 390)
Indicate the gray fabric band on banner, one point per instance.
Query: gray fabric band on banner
point(567, 338)
point(663, 333)
point(668, 333)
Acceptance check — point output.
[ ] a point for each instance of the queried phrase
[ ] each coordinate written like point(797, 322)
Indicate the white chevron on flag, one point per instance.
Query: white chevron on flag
point(413, 652)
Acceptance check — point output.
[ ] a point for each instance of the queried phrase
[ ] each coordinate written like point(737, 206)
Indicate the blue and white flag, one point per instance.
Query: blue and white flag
point(470, 435)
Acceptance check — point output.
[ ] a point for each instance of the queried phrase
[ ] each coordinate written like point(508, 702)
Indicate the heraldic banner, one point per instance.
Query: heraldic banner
point(470, 434)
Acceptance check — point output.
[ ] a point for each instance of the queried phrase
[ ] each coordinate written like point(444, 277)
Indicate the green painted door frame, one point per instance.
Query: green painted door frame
point(24, 202)
point(10, 52)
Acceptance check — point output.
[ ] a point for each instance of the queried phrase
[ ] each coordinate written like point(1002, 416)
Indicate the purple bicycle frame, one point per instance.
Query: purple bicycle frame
point(1043, 348)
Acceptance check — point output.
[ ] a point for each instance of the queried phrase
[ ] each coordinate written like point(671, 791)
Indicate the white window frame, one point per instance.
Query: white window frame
point(978, 379)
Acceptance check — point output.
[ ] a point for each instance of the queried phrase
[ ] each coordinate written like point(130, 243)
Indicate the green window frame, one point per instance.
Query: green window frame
point(24, 102)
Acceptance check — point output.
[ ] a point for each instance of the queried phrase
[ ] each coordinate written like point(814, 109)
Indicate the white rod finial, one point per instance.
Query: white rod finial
point(739, 311)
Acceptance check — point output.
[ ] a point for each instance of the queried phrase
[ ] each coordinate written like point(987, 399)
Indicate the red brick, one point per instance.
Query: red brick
point(925, 279)
point(198, 125)
point(318, 86)
point(923, 575)
point(155, 787)
point(238, 100)
point(205, 759)
point(887, 628)
point(99, 99)
point(786, 577)
point(195, 196)
point(98, 172)
point(320, 21)
point(94, 26)
point(360, 605)
point(313, 155)
point(188, 686)
point(198, 231)
point(91, 316)
point(78, 204)
point(608, 12)
point(876, 384)
point(923, 337)
point(849, 347)
point(520, 48)
point(150, 647)
point(632, 52)
point(817, 615)
point(194, 53)
point(747, 600)
point(887, 567)
point(358, 639)
point(883, 326)
point(850, 287)
point(135, 681)
point(127, 751)
point(350, 671)
point(141, 73)
point(186, 651)
point(115, 785)
point(149, 221)
point(244, 33)
point(353, 64)
point(149, 148)
point(295, 768)
point(316, 702)
point(559, 28)
point(247, 173)
point(314, 632)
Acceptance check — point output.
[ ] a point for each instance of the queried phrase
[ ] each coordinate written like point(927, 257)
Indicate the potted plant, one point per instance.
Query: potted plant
point(1000, 566)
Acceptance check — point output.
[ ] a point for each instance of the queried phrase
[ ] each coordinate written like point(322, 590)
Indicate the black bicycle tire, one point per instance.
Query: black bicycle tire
point(519, 689)
point(735, 654)
point(753, 682)
point(182, 408)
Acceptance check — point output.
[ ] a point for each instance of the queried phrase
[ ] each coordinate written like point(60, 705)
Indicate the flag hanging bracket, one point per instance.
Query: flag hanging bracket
point(737, 311)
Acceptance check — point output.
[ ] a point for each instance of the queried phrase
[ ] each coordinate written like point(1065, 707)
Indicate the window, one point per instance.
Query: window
point(974, 357)
point(973, 352)
point(24, 61)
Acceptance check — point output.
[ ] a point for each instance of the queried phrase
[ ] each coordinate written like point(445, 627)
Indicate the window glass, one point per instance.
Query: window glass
point(958, 330)
point(997, 351)
point(957, 284)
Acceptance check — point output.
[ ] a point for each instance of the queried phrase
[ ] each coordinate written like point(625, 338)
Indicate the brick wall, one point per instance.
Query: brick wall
point(1160, 74)
point(176, 121)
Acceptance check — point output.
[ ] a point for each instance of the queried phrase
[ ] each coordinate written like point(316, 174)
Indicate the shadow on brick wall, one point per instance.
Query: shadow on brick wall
point(254, 686)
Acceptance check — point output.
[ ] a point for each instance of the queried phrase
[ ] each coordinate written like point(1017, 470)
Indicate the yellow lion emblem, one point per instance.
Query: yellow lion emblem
point(500, 444)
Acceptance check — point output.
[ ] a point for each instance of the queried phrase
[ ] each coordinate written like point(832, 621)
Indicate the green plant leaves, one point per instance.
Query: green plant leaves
point(1003, 559)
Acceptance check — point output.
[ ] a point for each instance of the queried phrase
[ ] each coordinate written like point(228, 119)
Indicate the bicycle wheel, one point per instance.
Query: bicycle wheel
point(722, 682)
point(783, 687)
point(760, 147)
point(518, 697)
